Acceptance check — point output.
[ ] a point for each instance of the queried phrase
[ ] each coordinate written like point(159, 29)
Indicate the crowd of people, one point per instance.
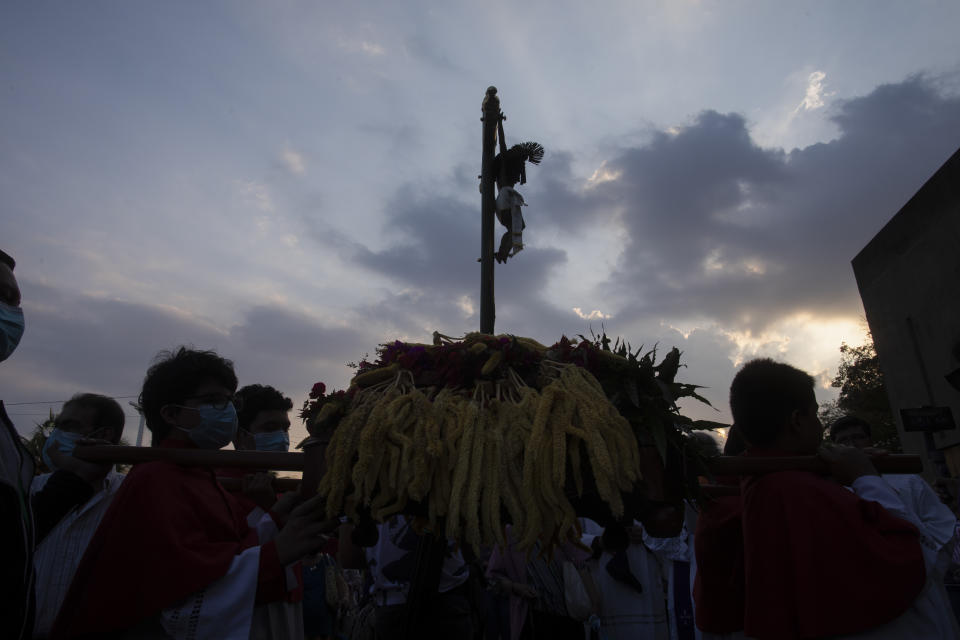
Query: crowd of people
point(171, 550)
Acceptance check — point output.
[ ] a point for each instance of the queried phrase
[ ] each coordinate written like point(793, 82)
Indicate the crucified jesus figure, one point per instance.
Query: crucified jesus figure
point(510, 168)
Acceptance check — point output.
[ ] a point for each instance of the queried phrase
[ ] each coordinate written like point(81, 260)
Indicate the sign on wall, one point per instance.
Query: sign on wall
point(927, 419)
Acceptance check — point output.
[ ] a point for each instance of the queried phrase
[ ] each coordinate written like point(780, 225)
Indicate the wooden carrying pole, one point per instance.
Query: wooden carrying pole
point(737, 466)
point(734, 466)
point(253, 460)
point(314, 450)
point(280, 485)
point(275, 461)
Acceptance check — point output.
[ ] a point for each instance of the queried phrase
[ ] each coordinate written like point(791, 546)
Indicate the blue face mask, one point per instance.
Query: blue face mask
point(11, 329)
point(272, 441)
point(217, 428)
point(64, 441)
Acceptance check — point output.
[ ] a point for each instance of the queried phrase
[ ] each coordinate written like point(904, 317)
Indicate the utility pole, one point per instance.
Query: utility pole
point(142, 418)
point(491, 122)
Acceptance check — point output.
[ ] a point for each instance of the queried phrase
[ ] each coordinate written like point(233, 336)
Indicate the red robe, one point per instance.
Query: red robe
point(170, 531)
point(246, 504)
point(822, 562)
point(718, 588)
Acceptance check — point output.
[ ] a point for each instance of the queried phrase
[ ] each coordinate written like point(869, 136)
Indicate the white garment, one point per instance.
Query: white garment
point(394, 555)
point(690, 524)
point(58, 555)
point(590, 530)
point(509, 199)
point(907, 497)
point(625, 613)
point(224, 610)
point(275, 619)
point(667, 550)
point(937, 519)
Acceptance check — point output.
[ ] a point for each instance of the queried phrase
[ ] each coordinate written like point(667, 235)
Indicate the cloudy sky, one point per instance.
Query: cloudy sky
point(292, 183)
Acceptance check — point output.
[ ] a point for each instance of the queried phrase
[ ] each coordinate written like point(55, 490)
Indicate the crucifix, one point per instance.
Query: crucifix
point(504, 170)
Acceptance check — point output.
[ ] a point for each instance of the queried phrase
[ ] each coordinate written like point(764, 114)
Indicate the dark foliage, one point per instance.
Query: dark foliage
point(863, 394)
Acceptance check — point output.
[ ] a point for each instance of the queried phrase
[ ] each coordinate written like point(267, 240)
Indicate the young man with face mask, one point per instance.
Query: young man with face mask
point(263, 419)
point(176, 556)
point(263, 424)
point(937, 524)
point(86, 418)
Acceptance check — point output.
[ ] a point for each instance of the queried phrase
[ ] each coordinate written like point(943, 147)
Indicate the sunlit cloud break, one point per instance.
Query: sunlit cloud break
point(815, 93)
point(596, 314)
point(465, 304)
point(601, 176)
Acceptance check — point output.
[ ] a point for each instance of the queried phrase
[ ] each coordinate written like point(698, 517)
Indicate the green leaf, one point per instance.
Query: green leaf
point(701, 399)
point(665, 390)
point(687, 391)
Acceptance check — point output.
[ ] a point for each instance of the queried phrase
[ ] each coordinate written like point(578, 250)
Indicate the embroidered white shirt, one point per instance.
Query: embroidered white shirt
point(58, 555)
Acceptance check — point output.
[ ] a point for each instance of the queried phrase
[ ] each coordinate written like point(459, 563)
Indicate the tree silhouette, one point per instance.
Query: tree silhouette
point(863, 393)
point(38, 438)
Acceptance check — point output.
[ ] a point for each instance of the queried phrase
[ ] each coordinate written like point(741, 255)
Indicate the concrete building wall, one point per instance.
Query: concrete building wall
point(909, 281)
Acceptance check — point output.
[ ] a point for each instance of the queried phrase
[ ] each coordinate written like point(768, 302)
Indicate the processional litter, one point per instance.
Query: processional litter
point(467, 435)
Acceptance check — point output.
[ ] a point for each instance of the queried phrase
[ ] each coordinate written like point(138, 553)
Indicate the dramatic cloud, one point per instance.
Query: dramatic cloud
point(435, 252)
point(286, 335)
point(437, 274)
point(749, 246)
point(150, 203)
point(77, 342)
point(561, 199)
point(721, 228)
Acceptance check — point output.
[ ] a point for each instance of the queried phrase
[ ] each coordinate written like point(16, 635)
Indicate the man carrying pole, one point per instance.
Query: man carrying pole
point(174, 556)
point(822, 560)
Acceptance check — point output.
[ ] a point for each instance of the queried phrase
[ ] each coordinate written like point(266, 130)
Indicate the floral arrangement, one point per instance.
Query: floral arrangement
point(470, 433)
